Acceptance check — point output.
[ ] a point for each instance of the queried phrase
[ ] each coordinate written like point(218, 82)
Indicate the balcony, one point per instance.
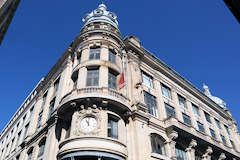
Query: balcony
point(103, 93)
point(107, 145)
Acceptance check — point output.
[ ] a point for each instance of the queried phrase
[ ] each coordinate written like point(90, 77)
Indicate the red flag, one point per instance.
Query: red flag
point(121, 81)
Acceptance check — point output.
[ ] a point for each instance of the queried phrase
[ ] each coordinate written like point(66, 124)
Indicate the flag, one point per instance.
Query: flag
point(121, 81)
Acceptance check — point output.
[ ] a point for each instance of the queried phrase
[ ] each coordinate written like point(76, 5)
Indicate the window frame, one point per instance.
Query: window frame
point(195, 109)
point(156, 141)
point(186, 119)
point(184, 100)
point(168, 91)
point(94, 53)
point(112, 80)
point(213, 133)
point(207, 116)
point(92, 75)
point(200, 129)
point(151, 102)
point(112, 56)
point(217, 122)
point(147, 80)
point(113, 123)
point(170, 108)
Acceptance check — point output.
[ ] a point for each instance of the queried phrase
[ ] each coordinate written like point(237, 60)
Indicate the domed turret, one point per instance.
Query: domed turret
point(101, 15)
point(217, 100)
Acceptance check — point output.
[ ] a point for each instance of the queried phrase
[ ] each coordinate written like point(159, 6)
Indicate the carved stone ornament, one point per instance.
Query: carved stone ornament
point(87, 120)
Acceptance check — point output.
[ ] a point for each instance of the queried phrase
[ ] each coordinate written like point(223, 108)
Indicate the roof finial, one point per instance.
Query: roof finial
point(206, 90)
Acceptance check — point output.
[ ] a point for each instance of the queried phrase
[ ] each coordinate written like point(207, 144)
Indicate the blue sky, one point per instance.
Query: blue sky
point(199, 39)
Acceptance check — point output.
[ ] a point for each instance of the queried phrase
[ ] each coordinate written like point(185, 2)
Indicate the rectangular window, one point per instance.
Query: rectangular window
point(39, 120)
point(56, 85)
point(223, 140)
point(51, 107)
point(92, 77)
point(112, 56)
point(147, 80)
point(166, 91)
point(26, 131)
point(218, 124)
point(186, 119)
point(94, 53)
point(31, 112)
point(195, 110)
point(169, 110)
point(112, 80)
point(213, 134)
point(18, 138)
point(44, 99)
point(227, 130)
point(79, 58)
point(75, 79)
point(233, 145)
point(151, 103)
point(182, 101)
point(201, 127)
point(207, 116)
point(181, 154)
point(112, 127)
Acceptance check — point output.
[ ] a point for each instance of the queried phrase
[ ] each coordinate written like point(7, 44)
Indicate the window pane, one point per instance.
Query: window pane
point(147, 80)
point(151, 103)
point(94, 53)
point(170, 110)
point(207, 116)
point(92, 77)
point(200, 127)
point(195, 110)
point(112, 81)
point(186, 119)
point(112, 128)
point(157, 144)
point(112, 56)
point(213, 133)
point(227, 130)
point(166, 91)
point(217, 124)
point(182, 101)
point(223, 140)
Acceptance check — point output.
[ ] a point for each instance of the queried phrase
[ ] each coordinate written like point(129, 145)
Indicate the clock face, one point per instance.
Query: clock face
point(88, 124)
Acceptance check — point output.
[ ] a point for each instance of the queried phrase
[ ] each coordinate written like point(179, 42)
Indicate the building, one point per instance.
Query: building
point(107, 98)
point(7, 10)
point(234, 6)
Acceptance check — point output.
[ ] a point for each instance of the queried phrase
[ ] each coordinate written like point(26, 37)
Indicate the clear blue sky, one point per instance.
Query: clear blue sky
point(199, 39)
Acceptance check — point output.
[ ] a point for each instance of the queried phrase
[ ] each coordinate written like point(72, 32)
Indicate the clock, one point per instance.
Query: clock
point(88, 124)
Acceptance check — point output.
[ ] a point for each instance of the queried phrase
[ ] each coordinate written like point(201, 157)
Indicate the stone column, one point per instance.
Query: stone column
point(104, 52)
point(103, 76)
point(75, 62)
point(222, 156)
point(207, 154)
point(82, 77)
point(47, 103)
point(190, 150)
point(172, 144)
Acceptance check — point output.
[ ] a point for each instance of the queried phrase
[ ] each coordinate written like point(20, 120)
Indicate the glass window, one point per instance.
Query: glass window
point(181, 154)
point(51, 107)
point(31, 112)
point(182, 101)
point(39, 120)
point(79, 58)
point(213, 134)
point(218, 124)
point(158, 144)
point(195, 110)
point(227, 130)
point(166, 91)
point(151, 103)
point(18, 138)
point(41, 148)
point(112, 127)
point(92, 77)
point(207, 116)
point(112, 80)
point(112, 56)
point(26, 130)
point(56, 85)
point(94, 53)
point(169, 110)
point(147, 80)
point(186, 119)
point(233, 145)
point(200, 127)
point(75, 79)
point(223, 140)
point(44, 99)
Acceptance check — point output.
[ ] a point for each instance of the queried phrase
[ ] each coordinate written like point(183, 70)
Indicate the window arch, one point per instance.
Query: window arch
point(41, 146)
point(158, 144)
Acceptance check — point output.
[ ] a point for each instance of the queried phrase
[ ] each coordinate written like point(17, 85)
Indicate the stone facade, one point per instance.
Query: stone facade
point(78, 111)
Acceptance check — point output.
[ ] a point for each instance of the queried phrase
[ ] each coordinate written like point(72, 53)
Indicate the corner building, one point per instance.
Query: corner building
point(107, 98)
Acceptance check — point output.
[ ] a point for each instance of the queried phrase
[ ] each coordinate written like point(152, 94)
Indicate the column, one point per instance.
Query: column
point(207, 154)
point(85, 54)
point(191, 150)
point(172, 144)
point(82, 77)
point(222, 156)
point(47, 104)
point(104, 53)
point(75, 62)
point(103, 76)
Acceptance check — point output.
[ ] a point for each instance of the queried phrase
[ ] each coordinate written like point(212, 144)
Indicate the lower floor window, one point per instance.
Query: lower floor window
point(112, 127)
point(181, 154)
point(157, 143)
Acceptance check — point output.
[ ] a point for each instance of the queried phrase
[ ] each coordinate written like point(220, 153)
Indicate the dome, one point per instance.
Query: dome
point(217, 100)
point(101, 15)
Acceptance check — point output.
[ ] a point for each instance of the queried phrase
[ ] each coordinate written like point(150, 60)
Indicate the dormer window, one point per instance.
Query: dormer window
point(94, 53)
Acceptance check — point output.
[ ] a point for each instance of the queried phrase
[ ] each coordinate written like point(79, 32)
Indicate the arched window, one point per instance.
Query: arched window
point(41, 147)
point(157, 143)
point(29, 153)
